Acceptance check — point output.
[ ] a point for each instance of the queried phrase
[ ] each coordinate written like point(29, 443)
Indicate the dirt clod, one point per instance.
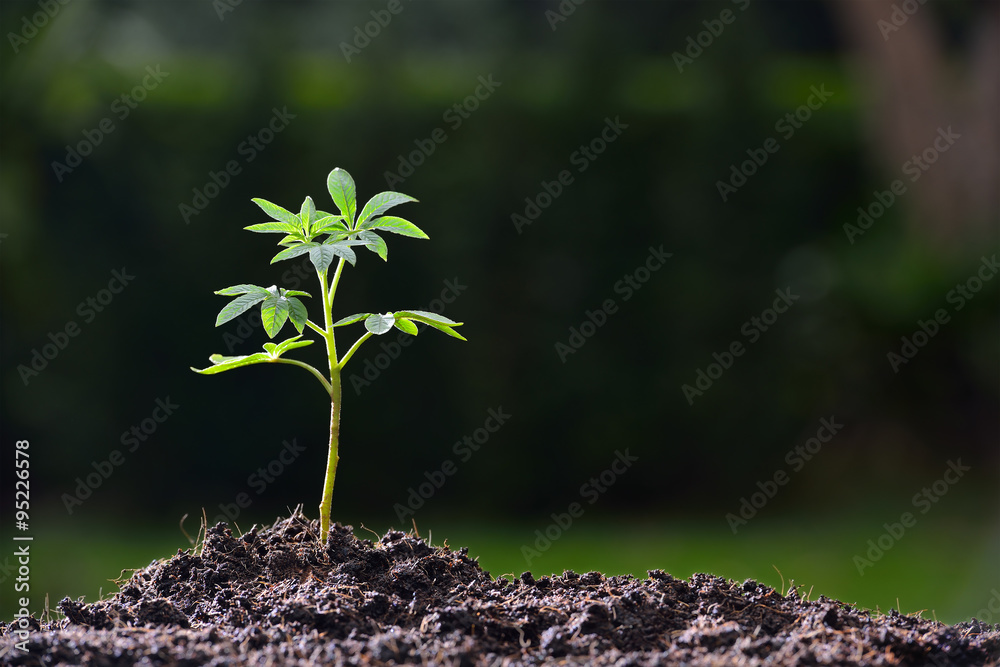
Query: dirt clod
point(277, 596)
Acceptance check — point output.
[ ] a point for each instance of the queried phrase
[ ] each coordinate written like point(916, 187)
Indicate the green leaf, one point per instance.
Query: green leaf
point(427, 317)
point(274, 313)
point(391, 223)
point(330, 224)
point(277, 212)
point(439, 322)
point(271, 352)
point(221, 363)
point(297, 313)
point(291, 344)
point(382, 202)
point(322, 256)
point(448, 330)
point(375, 243)
point(350, 319)
point(294, 292)
point(379, 324)
point(292, 239)
point(307, 214)
point(343, 249)
point(341, 187)
point(240, 305)
point(242, 289)
point(272, 227)
point(294, 251)
point(406, 326)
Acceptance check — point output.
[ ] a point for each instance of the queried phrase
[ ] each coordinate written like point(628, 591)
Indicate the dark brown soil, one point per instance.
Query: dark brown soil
point(275, 596)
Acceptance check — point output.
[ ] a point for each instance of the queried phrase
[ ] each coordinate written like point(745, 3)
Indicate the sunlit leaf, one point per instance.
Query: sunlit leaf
point(307, 214)
point(291, 344)
point(375, 243)
point(297, 313)
point(221, 363)
point(330, 224)
point(395, 225)
point(380, 324)
point(274, 313)
point(240, 305)
point(277, 212)
point(322, 256)
point(294, 251)
point(427, 317)
point(439, 322)
point(343, 249)
point(382, 202)
point(407, 326)
point(350, 319)
point(242, 289)
point(292, 239)
point(341, 187)
point(272, 227)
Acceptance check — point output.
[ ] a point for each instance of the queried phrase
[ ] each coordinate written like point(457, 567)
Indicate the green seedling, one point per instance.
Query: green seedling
point(325, 238)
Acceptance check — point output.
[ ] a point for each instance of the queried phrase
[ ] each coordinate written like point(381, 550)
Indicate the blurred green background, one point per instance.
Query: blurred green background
point(281, 92)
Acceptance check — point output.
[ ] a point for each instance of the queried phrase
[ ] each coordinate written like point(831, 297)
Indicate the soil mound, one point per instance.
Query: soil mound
point(276, 596)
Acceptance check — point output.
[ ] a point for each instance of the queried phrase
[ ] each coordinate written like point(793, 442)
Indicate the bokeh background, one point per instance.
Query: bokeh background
point(365, 91)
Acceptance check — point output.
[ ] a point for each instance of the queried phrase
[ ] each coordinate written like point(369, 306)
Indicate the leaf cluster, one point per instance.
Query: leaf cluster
point(325, 237)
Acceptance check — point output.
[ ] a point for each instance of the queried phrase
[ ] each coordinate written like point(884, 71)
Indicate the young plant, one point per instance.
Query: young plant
point(326, 239)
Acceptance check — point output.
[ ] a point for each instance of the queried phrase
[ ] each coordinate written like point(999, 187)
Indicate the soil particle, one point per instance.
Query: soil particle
point(277, 596)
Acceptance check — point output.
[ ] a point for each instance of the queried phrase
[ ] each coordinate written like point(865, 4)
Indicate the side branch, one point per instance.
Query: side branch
point(354, 348)
point(319, 376)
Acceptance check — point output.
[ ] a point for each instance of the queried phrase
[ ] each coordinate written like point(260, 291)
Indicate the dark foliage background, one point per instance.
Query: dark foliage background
point(655, 185)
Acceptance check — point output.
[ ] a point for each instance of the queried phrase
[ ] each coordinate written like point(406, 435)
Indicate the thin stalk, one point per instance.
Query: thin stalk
point(326, 296)
point(333, 287)
point(319, 376)
point(333, 457)
point(354, 348)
